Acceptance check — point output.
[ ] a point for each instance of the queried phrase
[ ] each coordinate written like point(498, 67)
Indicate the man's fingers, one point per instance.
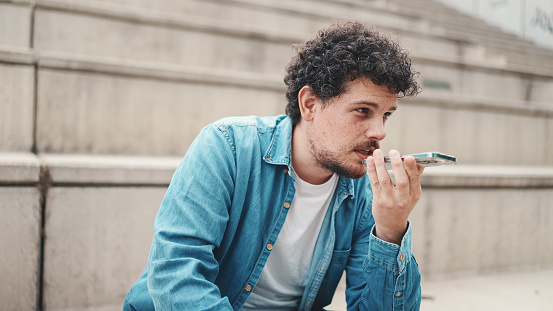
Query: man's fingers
point(402, 180)
point(413, 173)
point(384, 179)
point(373, 176)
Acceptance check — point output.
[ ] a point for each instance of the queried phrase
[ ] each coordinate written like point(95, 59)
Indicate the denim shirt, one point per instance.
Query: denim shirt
point(223, 211)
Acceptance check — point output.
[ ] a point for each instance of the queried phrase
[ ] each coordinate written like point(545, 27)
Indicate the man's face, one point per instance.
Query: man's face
point(347, 128)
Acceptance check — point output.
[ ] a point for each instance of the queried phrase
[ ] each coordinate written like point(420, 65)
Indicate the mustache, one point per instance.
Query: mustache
point(369, 144)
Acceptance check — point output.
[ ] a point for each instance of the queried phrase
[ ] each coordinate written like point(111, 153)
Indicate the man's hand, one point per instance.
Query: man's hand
point(393, 204)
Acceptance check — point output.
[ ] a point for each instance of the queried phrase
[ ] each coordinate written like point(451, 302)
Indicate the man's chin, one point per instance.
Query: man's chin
point(359, 175)
point(354, 173)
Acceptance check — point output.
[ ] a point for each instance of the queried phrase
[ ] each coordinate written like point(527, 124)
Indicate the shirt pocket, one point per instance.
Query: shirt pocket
point(340, 257)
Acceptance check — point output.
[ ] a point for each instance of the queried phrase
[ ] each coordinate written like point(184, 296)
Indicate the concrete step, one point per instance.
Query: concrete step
point(105, 99)
point(87, 200)
point(509, 291)
point(246, 47)
point(188, 41)
point(275, 44)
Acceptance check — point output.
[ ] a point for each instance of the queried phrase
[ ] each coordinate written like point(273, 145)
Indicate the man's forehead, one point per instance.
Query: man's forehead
point(364, 90)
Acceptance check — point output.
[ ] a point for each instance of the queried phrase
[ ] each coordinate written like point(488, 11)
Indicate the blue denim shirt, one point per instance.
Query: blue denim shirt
point(224, 209)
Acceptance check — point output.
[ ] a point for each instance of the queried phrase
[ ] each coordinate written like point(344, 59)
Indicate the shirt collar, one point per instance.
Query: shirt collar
point(279, 152)
point(280, 148)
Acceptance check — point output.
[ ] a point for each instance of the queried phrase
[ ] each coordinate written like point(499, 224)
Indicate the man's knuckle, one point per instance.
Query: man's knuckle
point(386, 181)
point(402, 183)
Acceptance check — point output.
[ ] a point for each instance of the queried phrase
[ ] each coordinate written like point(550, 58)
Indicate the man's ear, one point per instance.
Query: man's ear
point(307, 100)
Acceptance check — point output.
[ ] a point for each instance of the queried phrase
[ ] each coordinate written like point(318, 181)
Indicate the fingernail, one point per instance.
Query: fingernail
point(369, 160)
point(394, 154)
point(377, 153)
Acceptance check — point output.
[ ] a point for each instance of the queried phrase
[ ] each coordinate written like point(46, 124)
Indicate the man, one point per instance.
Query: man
point(267, 213)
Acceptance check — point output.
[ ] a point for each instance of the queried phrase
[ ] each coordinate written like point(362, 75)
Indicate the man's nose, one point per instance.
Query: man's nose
point(376, 131)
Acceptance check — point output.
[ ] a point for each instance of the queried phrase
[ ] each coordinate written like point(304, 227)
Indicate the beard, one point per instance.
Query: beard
point(336, 161)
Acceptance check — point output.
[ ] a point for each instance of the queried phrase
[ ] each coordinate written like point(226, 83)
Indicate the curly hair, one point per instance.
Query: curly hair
point(343, 53)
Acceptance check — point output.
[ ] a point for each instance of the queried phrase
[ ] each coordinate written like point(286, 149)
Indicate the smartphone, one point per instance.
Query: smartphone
point(427, 159)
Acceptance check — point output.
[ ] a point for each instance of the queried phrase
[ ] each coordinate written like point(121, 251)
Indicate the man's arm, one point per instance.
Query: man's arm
point(382, 273)
point(190, 224)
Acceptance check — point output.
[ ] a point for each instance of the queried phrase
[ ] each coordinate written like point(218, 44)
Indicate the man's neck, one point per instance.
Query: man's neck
point(303, 161)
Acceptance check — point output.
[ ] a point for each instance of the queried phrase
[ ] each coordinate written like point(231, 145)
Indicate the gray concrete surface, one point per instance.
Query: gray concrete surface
point(19, 247)
point(508, 291)
point(108, 114)
point(460, 231)
point(77, 34)
point(16, 107)
point(16, 19)
point(98, 240)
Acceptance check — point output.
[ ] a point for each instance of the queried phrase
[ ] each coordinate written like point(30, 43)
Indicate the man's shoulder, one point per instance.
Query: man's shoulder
point(262, 124)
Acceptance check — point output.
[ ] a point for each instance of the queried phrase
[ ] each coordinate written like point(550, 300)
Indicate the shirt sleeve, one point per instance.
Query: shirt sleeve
point(190, 224)
point(383, 275)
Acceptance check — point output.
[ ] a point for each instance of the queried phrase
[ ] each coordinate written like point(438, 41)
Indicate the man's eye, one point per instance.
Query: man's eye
point(387, 115)
point(363, 110)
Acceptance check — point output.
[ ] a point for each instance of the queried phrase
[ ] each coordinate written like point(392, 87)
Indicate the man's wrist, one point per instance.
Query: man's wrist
point(391, 235)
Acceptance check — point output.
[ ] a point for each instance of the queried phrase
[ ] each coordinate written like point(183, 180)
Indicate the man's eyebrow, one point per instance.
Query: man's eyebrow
point(373, 105)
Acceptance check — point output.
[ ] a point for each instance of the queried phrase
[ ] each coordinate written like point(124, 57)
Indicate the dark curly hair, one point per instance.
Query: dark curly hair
point(343, 53)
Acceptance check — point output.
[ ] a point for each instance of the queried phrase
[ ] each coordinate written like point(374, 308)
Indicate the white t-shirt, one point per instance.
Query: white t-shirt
point(284, 277)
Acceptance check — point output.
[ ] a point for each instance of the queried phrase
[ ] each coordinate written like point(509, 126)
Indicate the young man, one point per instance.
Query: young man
point(267, 213)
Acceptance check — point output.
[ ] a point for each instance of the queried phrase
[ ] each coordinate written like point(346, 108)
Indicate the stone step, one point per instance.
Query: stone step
point(104, 100)
point(272, 48)
point(188, 41)
point(90, 199)
point(252, 49)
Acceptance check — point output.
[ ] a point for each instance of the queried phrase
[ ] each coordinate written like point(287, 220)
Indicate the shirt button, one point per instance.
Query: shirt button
point(285, 171)
point(400, 257)
point(398, 294)
point(269, 246)
point(287, 205)
point(248, 288)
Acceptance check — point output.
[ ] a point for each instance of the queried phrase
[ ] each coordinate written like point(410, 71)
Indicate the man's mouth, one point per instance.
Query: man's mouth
point(362, 154)
point(367, 152)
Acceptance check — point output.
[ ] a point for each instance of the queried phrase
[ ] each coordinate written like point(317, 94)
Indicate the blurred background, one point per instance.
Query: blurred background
point(99, 101)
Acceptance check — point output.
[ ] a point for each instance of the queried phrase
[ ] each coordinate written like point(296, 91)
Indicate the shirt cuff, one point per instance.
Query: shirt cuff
point(390, 255)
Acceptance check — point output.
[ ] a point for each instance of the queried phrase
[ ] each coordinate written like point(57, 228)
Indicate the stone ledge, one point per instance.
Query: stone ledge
point(18, 168)
point(110, 170)
point(18, 2)
point(467, 176)
point(13, 55)
point(471, 102)
point(155, 70)
point(68, 169)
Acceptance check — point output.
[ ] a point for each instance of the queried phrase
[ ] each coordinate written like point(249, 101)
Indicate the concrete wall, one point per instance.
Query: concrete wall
point(99, 101)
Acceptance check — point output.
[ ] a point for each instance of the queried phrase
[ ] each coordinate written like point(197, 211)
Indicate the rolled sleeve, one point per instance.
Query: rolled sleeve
point(393, 278)
point(389, 255)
